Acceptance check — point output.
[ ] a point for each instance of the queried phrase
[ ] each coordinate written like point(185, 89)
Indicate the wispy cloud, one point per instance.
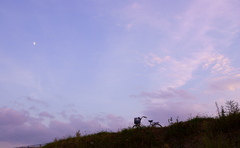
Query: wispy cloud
point(170, 93)
point(201, 20)
point(39, 102)
point(140, 13)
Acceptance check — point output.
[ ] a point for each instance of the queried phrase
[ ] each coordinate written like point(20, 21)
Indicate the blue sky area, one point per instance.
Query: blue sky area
point(94, 65)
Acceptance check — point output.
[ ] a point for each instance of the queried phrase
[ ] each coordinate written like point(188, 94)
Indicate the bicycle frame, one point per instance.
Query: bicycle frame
point(154, 124)
point(137, 121)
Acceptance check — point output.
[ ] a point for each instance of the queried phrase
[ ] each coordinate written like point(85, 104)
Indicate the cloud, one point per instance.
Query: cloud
point(153, 59)
point(169, 72)
point(11, 117)
point(165, 110)
point(116, 122)
point(9, 145)
point(225, 83)
point(169, 100)
point(197, 21)
point(217, 63)
point(45, 114)
point(142, 13)
point(31, 99)
point(18, 128)
point(170, 93)
point(203, 18)
point(196, 33)
point(179, 71)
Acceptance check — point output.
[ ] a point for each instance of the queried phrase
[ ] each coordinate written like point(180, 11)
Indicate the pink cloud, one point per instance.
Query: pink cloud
point(19, 128)
point(153, 59)
point(225, 83)
point(115, 122)
point(11, 117)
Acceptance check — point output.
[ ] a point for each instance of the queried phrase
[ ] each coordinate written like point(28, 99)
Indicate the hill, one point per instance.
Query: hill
point(198, 132)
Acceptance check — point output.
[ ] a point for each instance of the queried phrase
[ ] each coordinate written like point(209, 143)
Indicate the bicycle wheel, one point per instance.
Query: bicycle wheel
point(135, 126)
point(157, 125)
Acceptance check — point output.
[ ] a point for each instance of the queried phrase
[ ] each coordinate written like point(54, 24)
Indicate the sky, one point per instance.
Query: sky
point(94, 65)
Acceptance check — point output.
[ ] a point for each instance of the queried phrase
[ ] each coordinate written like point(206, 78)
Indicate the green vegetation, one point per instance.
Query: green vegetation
point(197, 132)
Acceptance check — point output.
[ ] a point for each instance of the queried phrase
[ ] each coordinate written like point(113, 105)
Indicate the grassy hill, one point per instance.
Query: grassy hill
point(197, 132)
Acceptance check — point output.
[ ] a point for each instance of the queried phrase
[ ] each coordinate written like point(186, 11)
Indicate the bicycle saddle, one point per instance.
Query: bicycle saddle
point(150, 120)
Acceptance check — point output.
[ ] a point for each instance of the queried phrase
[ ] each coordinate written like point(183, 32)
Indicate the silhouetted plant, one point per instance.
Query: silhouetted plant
point(232, 107)
point(78, 134)
point(222, 112)
point(170, 121)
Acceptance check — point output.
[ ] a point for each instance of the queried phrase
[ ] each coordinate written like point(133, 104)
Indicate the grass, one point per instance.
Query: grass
point(197, 132)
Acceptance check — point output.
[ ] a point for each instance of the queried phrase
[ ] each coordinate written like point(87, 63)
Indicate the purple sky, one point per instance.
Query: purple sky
point(94, 65)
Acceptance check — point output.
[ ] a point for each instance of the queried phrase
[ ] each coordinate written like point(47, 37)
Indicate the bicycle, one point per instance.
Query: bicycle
point(137, 122)
point(154, 124)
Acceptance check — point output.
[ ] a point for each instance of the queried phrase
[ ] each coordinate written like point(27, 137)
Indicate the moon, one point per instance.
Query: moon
point(34, 43)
